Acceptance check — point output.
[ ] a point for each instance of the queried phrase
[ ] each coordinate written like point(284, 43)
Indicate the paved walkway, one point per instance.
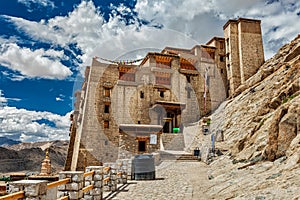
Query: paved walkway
point(174, 181)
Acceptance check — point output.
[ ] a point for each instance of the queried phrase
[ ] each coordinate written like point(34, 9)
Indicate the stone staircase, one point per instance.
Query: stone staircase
point(173, 141)
point(177, 156)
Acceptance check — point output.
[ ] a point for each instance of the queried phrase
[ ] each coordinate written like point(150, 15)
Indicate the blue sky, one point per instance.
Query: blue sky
point(45, 46)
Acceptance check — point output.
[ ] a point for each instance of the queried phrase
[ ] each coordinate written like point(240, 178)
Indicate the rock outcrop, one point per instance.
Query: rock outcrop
point(261, 127)
point(262, 120)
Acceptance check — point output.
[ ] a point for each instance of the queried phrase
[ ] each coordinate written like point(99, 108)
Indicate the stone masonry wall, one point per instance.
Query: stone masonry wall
point(250, 48)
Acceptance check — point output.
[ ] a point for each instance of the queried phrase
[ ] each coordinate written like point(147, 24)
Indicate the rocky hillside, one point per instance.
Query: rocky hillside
point(29, 156)
point(263, 121)
point(261, 126)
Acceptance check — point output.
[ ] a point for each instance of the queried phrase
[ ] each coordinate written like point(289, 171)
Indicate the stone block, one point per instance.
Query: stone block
point(99, 171)
point(88, 197)
point(87, 183)
point(88, 178)
point(75, 194)
point(32, 188)
point(61, 194)
point(106, 188)
point(96, 191)
point(14, 189)
point(61, 187)
point(77, 178)
point(98, 177)
point(97, 197)
point(74, 186)
point(98, 184)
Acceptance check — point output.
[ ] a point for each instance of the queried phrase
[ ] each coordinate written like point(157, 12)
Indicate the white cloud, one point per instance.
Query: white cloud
point(21, 124)
point(201, 20)
point(34, 63)
point(204, 19)
point(3, 100)
point(43, 3)
point(60, 97)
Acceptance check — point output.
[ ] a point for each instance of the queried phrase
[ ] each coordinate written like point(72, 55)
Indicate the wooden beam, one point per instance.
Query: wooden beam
point(64, 198)
point(106, 169)
point(88, 173)
point(13, 196)
point(87, 188)
point(57, 183)
point(106, 179)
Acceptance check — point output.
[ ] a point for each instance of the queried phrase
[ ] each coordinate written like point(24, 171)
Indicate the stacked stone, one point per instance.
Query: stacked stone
point(121, 171)
point(96, 180)
point(111, 184)
point(33, 189)
point(73, 189)
point(129, 169)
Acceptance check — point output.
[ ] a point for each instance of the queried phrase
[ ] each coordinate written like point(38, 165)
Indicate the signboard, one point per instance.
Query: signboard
point(153, 139)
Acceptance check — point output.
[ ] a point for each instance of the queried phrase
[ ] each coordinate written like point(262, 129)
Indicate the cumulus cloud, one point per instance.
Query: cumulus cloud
point(204, 19)
point(86, 27)
point(23, 125)
point(34, 63)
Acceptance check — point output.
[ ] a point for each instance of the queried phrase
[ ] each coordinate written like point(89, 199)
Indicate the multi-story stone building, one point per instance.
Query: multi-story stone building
point(124, 109)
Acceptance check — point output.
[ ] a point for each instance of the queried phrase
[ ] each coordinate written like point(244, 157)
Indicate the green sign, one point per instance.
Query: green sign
point(176, 130)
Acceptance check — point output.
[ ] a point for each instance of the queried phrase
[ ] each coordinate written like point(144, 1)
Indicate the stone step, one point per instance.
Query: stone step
point(178, 156)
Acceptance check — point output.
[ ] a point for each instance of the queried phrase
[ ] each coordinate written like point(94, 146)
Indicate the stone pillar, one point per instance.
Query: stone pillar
point(111, 184)
point(72, 189)
point(34, 189)
point(129, 169)
point(121, 171)
point(97, 192)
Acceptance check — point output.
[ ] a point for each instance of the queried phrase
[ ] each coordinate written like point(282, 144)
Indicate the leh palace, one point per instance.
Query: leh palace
point(125, 109)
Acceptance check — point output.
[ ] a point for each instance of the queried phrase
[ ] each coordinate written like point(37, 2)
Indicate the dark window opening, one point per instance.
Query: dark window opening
point(141, 94)
point(106, 108)
point(139, 122)
point(221, 45)
point(166, 127)
point(227, 55)
point(105, 142)
point(161, 94)
point(106, 124)
point(142, 146)
point(221, 58)
point(222, 71)
point(188, 94)
point(188, 78)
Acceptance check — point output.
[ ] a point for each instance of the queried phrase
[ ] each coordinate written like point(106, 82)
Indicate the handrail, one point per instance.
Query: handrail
point(13, 196)
point(106, 179)
point(88, 173)
point(106, 168)
point(87, 188)
point(64, 198)
point(57, 183)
